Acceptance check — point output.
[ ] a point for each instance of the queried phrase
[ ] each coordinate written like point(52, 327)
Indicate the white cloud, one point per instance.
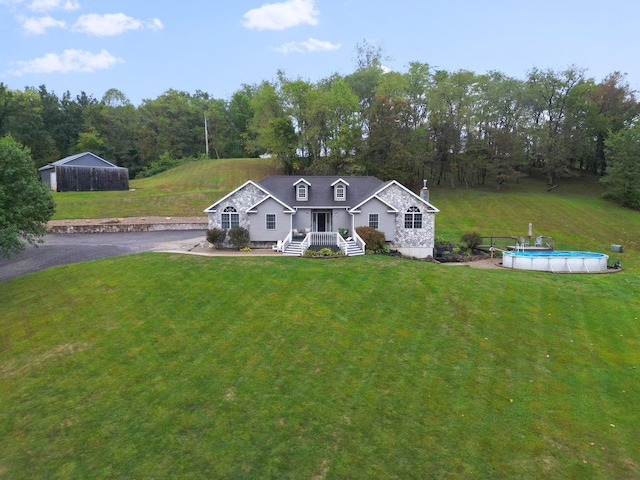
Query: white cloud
point(10, 3)
point(112, 24)
point(155, 24)
point(38, 26)
point(311, 45)
point(279, 16)
point(71, 61)
point(47, 5)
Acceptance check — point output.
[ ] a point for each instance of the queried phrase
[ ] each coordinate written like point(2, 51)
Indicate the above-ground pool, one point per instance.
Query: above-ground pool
point(556, 261)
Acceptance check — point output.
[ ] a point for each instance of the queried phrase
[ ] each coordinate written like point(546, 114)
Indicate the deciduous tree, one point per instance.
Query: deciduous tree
point(623, 173)
point(550, 99)
point(25, 203)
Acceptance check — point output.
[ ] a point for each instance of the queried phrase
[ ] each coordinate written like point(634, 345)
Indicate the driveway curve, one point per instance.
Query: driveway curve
point(62, 249)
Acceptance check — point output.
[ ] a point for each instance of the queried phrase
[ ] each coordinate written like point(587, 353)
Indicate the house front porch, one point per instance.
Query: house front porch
point(296, 243)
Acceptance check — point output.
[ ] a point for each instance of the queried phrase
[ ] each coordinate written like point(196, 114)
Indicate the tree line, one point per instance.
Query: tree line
point(454, 128)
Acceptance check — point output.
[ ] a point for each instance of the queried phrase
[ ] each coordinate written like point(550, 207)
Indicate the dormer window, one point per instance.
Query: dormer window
point(340, 190)
point(301, 192)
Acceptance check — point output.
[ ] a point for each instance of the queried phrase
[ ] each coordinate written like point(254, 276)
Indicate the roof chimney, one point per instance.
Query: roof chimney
point(424, 193)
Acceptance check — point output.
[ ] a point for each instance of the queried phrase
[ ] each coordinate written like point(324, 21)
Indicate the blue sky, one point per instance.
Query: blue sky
point(145, 47)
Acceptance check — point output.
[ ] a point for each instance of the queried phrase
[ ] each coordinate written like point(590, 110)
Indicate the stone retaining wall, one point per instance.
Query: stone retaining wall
point(124, 227)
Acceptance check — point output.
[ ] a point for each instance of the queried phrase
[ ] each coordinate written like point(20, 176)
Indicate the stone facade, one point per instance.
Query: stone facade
point(241, 200)
point(422, 238)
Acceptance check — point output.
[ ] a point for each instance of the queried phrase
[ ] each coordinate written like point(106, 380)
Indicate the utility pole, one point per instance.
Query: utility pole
point(206, 138)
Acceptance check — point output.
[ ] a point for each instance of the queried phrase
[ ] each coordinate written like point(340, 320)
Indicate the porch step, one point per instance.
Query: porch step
point(353, 248)
point(294, 249)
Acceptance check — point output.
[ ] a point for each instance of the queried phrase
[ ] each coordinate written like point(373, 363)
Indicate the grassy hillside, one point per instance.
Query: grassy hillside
point(186, 190)
point(159, 365)
point(574, 214)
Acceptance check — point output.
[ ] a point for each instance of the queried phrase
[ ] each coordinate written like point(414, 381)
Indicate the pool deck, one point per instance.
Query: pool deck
point(512, 248)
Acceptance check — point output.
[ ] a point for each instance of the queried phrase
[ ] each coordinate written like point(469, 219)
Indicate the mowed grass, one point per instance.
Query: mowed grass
point(574, 214)
point(175, 366)
point(183, 191)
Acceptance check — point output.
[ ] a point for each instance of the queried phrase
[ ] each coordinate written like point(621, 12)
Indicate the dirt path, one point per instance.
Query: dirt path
point(484, 263)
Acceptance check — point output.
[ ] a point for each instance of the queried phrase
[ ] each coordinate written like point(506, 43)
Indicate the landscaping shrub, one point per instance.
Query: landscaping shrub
point(239, 237)
point(471, 239)
point(373, 238)
point(323, 252)
point(164, 163)
point(216, 236)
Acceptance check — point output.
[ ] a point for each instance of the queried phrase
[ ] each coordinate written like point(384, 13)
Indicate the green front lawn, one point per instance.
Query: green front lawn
point(174, 366)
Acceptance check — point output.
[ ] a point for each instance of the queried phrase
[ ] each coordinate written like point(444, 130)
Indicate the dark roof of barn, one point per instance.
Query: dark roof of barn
point(86, 159)
point(320, 192)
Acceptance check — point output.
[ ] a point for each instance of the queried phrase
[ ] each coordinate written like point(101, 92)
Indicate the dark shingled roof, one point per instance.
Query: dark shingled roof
point(86, 159)
point(320, 193)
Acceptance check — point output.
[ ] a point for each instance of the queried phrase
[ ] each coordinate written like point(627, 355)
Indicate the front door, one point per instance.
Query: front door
point(322, 221)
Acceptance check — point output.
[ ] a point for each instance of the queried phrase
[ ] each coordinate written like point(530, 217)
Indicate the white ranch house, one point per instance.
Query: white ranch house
point(295, 213)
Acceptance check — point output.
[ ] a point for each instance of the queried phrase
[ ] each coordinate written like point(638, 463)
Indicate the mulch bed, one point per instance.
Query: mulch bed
point(452, 253)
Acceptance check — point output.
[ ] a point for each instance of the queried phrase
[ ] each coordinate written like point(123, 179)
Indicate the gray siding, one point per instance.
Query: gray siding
point(88, 161)
point(341, 219)
point(387, 220)
point(257, 221)
point(45, 176)
point(302, 219)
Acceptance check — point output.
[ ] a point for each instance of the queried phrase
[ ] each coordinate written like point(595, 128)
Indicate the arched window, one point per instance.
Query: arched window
point(301, 192)
point(229, 218)
point(339, 192)
point(413, 218)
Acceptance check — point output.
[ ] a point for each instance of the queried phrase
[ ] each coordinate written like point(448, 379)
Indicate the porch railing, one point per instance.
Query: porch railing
point(342, 244)
point(287, 241)
point(306, 243)
point(325, 239)
point(359, 241)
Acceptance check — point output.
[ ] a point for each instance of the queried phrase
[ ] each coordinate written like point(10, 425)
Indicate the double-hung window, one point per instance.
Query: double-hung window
point(413, 218)
point(270, 221)
point(229, 218)
point(373, 220)
point(301, 190)
point(340, 193)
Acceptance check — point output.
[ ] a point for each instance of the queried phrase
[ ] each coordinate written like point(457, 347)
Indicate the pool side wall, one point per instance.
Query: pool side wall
point(556, 264)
